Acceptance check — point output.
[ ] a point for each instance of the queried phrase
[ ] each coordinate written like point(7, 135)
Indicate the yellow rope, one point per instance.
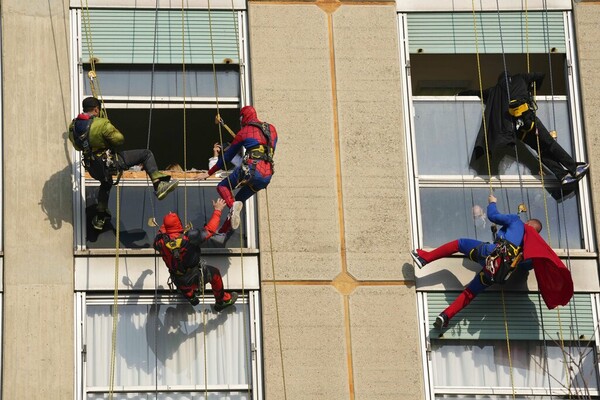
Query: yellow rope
point(115, 300)
point(242, 226)
point(541, 169)
point(512, 381)
point(544, 195)
point(487, 153)
point(275, 294)
point(95, 89)
point(94, 86)
point(485, 133)
point(185, 202)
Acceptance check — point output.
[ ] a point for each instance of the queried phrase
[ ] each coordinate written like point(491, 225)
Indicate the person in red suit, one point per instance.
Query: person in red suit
point(259, 139)
point(180, 250)
point(517, 245)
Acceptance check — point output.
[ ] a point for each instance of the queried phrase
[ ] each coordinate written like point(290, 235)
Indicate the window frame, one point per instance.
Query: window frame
point(254, 345)
point(77, 94)
point(427, 359)
point(415, 181)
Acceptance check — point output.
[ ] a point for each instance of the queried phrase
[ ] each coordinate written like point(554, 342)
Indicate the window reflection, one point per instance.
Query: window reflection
point(138, 205)
point(445, 132)
point(449, 213)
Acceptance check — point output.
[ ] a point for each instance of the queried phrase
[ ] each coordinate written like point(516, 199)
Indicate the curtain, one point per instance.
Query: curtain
point(168, 344)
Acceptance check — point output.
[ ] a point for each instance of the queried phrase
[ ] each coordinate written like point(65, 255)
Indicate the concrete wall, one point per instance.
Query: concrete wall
point(339, 313)
point(587, 15)
point(38, 234)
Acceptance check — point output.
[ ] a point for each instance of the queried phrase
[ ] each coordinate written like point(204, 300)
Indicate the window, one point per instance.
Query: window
point(167, 348)
point(163, 76)
point(450, 183)
point(449, 190)
point(470, 359)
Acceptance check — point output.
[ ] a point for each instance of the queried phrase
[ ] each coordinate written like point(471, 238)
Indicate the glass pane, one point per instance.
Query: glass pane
point(162, 131)
point(447, 74)
point(168, 344)
point(130, 80)
point(172, 396)
point(449, 213)
point(504, 397)
point(488, 365)
point(445, 133)
point(138, 204)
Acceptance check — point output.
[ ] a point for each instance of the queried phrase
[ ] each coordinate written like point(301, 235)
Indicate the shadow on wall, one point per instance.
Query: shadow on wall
point(53, 201)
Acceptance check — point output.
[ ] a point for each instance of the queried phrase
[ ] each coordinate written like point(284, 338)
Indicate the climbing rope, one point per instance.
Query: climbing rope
point(221, 124)
point(271, 251)
point(115, 310)
point(490, 173)
point(522, 207)
point(152, 204)
point(95, 88)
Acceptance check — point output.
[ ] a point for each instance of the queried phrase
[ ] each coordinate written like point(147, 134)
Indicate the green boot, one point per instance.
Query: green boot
point(164, 188)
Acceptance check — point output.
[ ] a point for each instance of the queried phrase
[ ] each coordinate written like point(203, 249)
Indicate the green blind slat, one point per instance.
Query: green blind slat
point(128, 36)
point(453, 33)
point(484, 318)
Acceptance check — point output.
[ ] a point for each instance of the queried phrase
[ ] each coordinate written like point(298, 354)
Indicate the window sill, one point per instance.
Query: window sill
point(152, 252)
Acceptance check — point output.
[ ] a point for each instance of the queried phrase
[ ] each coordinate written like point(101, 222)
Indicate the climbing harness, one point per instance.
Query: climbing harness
point(261, 152)
point(503, 261)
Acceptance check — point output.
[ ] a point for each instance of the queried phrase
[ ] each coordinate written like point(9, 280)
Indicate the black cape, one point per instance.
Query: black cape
point(499, 123)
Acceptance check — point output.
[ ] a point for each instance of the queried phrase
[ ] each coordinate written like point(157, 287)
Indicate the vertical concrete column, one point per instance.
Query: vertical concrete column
point(587, 15)
point(38, 236)
point(339, 314)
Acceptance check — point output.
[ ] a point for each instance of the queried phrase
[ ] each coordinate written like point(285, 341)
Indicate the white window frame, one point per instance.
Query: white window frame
point(416, 181)
point(414, 184)
point(427, 362)
point(255, 343)
point(77, 79)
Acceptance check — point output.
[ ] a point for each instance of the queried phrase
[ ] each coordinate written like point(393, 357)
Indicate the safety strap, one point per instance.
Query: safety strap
point(83, 139)
point(174, 247)
point(262, 152)
point(503, 261)
point(518, 107)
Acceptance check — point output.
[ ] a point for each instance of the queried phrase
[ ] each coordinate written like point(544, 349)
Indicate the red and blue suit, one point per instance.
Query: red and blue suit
point(553, 277)
point(254, 174)
point(512, 231)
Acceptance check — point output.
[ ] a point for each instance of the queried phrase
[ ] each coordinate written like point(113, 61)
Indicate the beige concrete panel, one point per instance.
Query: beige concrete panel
point(587, 16)
point(387, 360)
point(138, 273)
point(373, 151)
point(311, 320)
point(38, 342)
point(37, 172)
point(292, 89)
point(37, 202)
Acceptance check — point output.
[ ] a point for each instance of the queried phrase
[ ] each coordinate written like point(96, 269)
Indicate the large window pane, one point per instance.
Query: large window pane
point(445, 132)
point(138, 205)
point(166, 134)
point(168, 344)
point(172, 396)
point(533, 365)
point(136, 80)
point(449, 213)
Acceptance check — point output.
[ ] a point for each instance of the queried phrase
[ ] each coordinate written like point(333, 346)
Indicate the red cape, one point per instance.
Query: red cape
point(553, 278)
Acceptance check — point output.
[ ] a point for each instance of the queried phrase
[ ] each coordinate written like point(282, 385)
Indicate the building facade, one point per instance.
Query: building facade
point(373, 160)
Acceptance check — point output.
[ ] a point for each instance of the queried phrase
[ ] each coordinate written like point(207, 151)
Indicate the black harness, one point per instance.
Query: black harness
point(262, 152)
point(102, 164)
point(500, 264)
